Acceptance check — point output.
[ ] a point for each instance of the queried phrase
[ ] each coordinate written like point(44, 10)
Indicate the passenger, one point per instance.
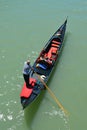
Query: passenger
point(49, 60)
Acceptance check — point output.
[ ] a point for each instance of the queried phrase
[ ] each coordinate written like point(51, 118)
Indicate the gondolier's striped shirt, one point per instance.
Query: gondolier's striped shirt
point(26, 68)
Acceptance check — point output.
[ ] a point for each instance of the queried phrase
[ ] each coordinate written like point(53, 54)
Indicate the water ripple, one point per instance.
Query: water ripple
point(61, 114)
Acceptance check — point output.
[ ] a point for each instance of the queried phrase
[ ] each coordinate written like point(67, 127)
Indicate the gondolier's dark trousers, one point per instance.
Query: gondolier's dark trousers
point(26, 78)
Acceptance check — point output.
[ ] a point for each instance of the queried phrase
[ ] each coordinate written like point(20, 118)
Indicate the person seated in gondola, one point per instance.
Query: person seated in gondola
point(26, 73)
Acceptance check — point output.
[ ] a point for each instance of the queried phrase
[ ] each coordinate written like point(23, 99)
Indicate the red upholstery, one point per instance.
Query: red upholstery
point(56, 42)
point(26, 92)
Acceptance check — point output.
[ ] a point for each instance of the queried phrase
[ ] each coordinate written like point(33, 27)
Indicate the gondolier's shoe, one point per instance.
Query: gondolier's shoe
point(29, 86)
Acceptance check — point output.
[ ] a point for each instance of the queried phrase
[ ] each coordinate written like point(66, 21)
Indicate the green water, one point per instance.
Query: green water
point(25, 27)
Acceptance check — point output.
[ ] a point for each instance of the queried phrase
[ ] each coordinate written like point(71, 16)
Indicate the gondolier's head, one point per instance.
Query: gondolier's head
point(28, 62)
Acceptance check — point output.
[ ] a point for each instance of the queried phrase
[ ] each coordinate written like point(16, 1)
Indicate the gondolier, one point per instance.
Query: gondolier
point(26, 72)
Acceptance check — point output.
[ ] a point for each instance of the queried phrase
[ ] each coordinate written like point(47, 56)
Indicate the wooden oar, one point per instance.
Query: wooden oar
point(52, 94)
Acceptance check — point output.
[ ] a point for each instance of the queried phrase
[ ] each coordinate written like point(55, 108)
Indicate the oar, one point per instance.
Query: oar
point(52, 94)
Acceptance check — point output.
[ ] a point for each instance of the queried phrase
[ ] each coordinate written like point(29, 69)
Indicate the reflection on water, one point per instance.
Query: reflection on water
point(10, 107)
point(11, 114)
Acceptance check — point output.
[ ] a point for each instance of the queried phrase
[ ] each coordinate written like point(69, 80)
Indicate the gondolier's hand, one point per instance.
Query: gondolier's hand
point(32, 69)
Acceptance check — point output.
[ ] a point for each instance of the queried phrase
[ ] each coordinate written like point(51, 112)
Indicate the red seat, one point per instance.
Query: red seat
point(56, 42)
point(55, 45)
point(52, 50)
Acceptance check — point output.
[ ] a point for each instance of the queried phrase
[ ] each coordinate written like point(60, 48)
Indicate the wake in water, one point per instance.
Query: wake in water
point(62, 115)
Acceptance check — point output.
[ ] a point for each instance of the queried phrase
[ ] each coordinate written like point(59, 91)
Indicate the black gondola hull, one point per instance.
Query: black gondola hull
point(43, 66)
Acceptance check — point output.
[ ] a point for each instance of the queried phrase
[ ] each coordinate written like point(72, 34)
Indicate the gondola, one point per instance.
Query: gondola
point(43, 67)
